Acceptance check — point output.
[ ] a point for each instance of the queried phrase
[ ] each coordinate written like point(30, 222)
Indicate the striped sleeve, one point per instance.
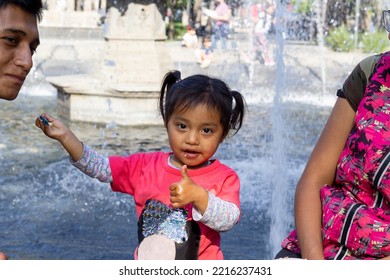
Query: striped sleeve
point(94, 165)
point(220, 215)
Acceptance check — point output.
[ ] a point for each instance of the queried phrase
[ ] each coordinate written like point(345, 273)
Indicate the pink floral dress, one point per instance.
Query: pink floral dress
point(356, 208)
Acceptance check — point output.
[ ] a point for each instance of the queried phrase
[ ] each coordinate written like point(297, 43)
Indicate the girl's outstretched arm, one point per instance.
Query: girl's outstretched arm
point(83, 157)
point(55, 129)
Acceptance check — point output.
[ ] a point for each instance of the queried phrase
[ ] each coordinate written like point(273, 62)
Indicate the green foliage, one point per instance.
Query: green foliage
point(303, 7)
point(180, 30)
point(375, 42)
point(340, 39)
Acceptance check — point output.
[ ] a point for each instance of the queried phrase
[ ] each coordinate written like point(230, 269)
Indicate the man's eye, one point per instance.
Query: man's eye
point(10, 40)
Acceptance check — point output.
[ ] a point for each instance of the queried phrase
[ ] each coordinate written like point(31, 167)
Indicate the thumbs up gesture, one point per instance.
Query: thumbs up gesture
point(186, 192)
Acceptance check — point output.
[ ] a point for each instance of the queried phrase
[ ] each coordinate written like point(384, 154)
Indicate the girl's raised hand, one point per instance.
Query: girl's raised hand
point(181, 191)
point(186, 191)
point(55, 129)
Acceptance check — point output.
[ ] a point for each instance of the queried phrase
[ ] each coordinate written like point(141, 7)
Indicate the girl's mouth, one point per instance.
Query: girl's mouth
point(190, 155)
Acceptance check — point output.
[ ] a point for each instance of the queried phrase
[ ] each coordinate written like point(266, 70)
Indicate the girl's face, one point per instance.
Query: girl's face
point(207, 44)
point(194, 136)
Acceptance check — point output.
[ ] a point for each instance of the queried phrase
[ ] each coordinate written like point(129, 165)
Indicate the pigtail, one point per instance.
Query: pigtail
point(238, 112)
point(169, 80)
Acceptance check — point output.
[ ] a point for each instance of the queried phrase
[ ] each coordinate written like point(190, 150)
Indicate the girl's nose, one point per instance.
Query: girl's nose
point(192, 138)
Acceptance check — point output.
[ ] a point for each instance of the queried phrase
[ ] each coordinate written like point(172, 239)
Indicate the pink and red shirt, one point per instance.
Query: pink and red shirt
point(148, 176)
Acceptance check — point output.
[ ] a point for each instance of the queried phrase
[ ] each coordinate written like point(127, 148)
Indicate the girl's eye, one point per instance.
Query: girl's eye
point(207, 130)
point(181, 126)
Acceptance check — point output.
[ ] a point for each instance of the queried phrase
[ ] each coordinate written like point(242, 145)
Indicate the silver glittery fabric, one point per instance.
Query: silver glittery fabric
point(160, 219)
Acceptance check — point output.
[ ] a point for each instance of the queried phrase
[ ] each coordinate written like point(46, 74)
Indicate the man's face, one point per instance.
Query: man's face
point(19, 39)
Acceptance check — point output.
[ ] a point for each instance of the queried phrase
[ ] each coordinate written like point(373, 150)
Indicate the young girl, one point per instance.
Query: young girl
point(183, 198)
point(205, 54)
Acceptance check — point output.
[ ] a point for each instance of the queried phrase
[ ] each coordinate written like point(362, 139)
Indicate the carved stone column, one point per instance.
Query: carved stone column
point(125, 88)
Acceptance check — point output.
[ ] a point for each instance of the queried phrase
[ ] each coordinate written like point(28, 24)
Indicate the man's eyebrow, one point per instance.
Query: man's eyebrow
point(16, 31)
point(21, 32)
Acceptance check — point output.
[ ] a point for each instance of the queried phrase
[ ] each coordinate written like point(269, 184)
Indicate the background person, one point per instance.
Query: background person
point(262, 14)
point(190, 39)
point(19, 39)
point(205, 54)
point(221, 24)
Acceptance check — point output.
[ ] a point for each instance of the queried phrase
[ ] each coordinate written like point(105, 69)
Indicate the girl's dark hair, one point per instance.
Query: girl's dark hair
point(33, 7)
point(177, 94)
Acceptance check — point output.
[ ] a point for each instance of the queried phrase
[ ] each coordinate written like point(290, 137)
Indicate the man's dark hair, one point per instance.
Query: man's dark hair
point(31, 6)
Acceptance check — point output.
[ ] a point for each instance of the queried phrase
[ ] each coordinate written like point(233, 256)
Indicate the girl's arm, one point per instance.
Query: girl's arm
point(220, 215)
point(84, 158)
point(320, 170)
point(94, 165)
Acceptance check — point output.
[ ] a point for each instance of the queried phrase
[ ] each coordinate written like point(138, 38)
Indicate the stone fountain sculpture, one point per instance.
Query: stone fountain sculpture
point(125, 88)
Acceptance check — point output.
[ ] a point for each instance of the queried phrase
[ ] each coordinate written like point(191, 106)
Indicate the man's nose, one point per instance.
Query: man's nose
point(23, 58)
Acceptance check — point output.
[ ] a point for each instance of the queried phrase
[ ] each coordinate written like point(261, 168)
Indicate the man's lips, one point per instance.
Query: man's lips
point(17, 78)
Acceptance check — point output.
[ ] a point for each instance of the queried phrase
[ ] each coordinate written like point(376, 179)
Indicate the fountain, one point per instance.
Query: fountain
point(50, 210)
point(124, 87)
